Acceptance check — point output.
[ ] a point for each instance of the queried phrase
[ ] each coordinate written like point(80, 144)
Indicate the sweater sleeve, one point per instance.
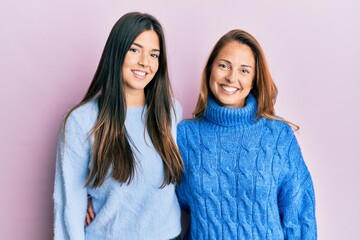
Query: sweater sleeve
point(70, 194)
point(182, 188)
point(176, 118)
point(296, 197)
point(178, 112)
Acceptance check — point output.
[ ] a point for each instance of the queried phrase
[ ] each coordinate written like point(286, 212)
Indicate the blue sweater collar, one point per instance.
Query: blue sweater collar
point(231, 117)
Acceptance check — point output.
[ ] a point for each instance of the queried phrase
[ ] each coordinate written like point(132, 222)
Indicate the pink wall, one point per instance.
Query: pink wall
point(49, 51)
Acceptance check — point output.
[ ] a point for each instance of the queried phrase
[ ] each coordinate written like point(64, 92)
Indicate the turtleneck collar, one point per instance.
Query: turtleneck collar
point(232, 117)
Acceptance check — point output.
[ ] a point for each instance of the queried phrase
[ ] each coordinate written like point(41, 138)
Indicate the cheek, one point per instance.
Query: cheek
point(247, 83)
point(154, 67)
point(215, 76)
point(123, 70)
point(128, 62)
point(212, 84)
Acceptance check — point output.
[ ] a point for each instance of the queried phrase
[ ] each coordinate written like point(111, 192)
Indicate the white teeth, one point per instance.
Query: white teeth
point(142, 74)
point(229, 89)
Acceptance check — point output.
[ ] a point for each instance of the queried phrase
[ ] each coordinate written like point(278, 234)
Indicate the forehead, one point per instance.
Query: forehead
point(148, 39)
point(237, 53)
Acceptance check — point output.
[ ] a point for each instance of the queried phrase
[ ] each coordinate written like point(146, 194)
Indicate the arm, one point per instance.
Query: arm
point(179, 135)
point(70, 194)
point(176, 117)
point(182, 188)
point(296, 197)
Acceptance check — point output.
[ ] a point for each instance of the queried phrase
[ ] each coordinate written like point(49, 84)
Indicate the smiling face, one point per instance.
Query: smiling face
point(232, 74)
point(140, 66)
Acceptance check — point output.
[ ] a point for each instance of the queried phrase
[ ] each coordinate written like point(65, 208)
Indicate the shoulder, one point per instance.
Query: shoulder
point(188, 124)
point(85, 115)
point(189, 128)
point(282, 135)
point(178, 112)
point(278, 126)
point(176, 104)
point(88, 108)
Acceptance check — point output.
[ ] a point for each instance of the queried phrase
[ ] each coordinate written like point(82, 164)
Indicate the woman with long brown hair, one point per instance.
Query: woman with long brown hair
point(116, 146)
point(244, 175)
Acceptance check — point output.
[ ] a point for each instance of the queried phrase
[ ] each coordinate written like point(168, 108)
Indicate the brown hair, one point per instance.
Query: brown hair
point(111, 148)
point(264, 88)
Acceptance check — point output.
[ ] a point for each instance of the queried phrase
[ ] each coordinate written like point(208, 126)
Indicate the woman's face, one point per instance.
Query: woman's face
point(141, 62)
point(232, 74)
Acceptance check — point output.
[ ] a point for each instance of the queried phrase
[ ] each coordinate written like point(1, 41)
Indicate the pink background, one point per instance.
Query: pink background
point(49, 51)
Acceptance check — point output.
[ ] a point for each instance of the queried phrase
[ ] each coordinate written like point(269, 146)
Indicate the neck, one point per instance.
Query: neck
point(232, 117)
point(135, 99)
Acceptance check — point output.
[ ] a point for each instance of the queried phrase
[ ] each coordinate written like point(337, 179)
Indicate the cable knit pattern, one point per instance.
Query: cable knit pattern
point(140, 210)
point(244, 178)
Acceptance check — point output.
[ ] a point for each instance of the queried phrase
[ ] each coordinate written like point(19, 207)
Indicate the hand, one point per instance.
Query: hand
point(90, 215)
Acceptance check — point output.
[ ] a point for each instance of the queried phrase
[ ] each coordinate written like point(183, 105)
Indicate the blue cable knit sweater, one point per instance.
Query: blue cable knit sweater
point(138, 211)
point(244, 178)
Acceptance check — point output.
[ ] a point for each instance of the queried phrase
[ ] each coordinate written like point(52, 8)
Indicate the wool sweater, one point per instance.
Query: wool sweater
point(245, 177)
point(139, 210)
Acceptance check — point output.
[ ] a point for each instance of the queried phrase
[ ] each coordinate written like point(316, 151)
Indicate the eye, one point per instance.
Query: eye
point(135, 50)
point(223, 65)
point(154, 55)
point(245, 71)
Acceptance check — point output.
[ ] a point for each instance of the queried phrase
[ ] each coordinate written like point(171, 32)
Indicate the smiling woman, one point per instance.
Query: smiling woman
point(117, 145)
point(232, 74)
point(244, 175)
point(140, 66)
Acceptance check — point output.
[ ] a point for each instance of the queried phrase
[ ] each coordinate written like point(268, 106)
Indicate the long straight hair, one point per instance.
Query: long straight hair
point(264, 88)
point(111, 147)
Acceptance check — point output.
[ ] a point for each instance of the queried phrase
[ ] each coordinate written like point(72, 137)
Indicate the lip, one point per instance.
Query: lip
point(139, 73)
point(229, 89)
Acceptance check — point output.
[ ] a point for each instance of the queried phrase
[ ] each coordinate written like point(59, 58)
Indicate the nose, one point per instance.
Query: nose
point(143, 59)
point(232, 76)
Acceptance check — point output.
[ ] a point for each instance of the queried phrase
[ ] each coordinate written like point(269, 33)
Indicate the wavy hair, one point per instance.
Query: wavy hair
point(111, 147)
point(264, 88)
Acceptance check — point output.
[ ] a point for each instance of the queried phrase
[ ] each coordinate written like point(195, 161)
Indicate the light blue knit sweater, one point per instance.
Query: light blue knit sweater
point(244, 178)
point(140, 210)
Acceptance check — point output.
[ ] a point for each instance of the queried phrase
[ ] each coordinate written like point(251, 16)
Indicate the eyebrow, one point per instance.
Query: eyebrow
point(141, 46)
point(243, 65)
